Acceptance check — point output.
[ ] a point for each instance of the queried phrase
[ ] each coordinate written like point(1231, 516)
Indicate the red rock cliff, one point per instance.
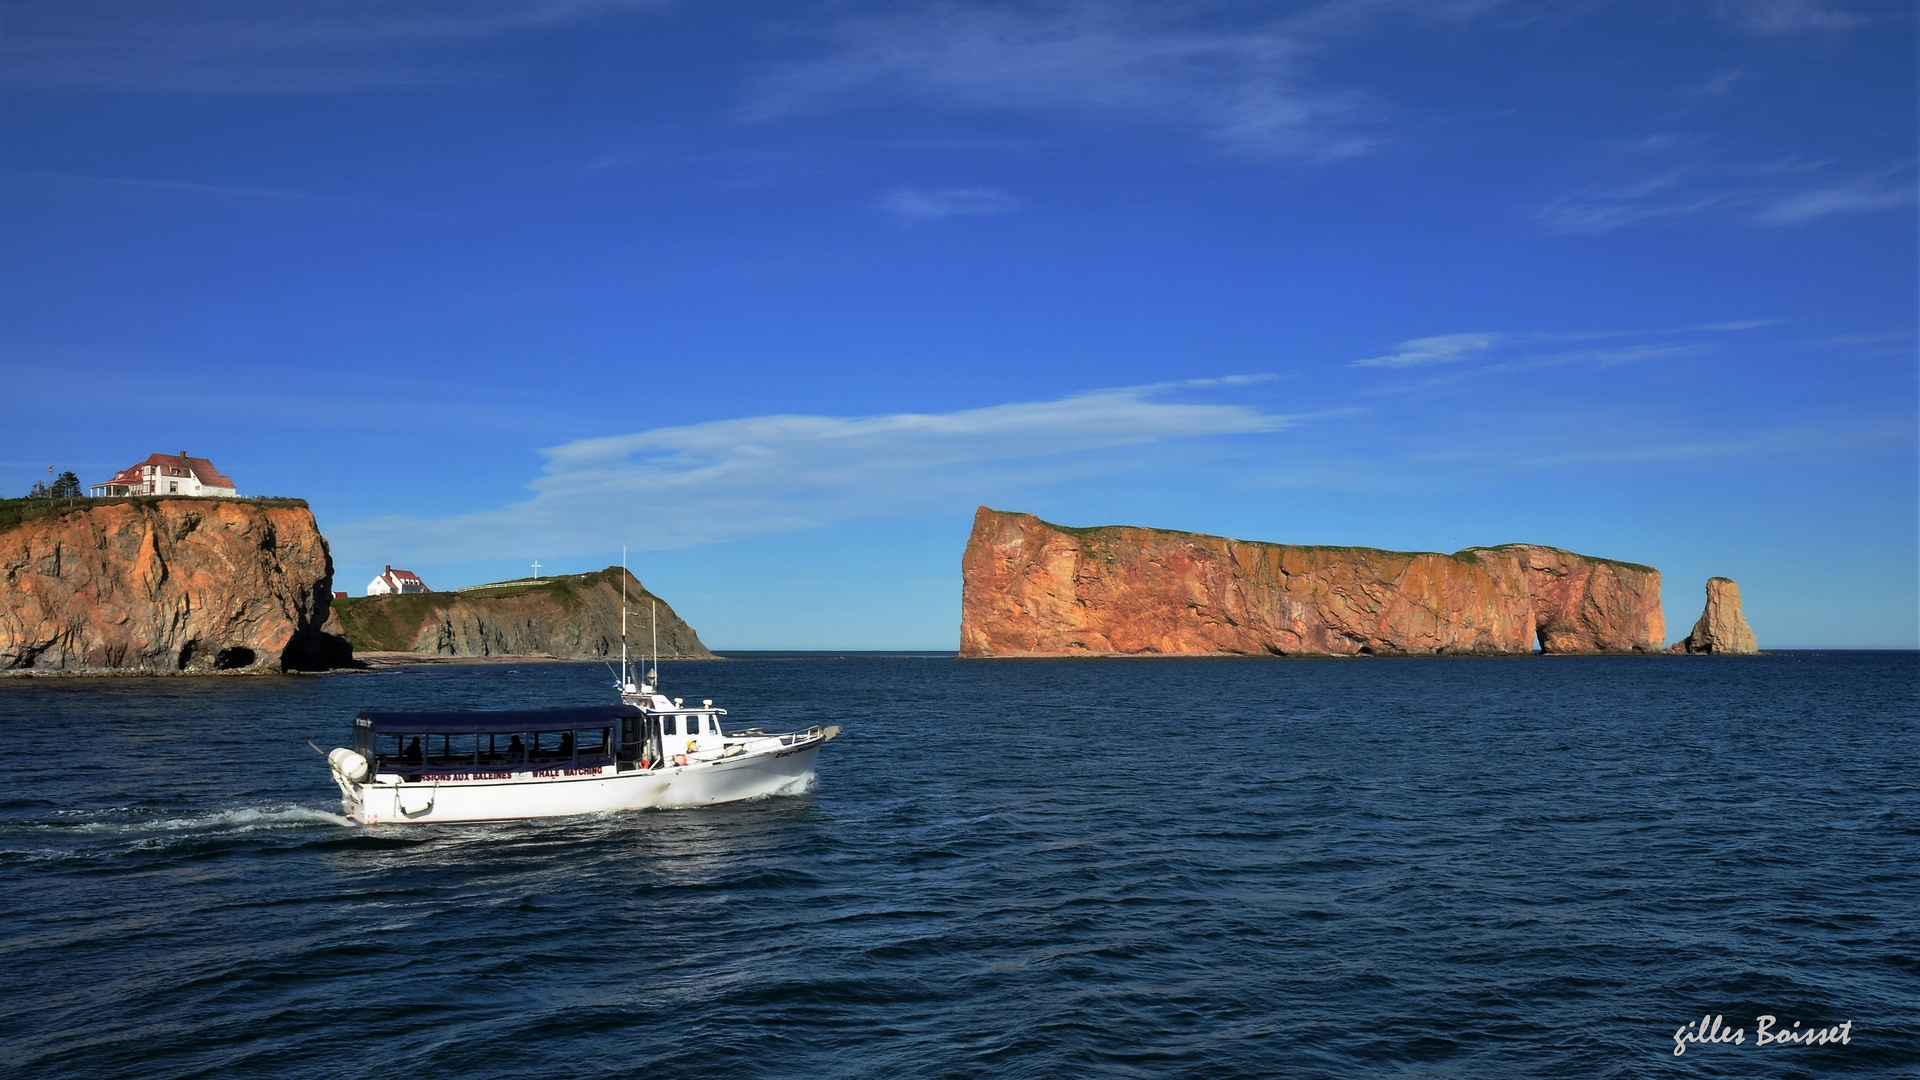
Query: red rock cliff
point(1034, 589)
point(167, 585)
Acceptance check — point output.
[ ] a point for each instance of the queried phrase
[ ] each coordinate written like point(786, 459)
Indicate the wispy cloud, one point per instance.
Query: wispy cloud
point(725, 479)
point(1719, 86)
point(1778, 18)
point(913, 206)
point(1862, 196)
point(1245, 88)
point(182, 187)
point(204, 46)
point(1467, 356)
point(1444, 349)
point(1680, 177)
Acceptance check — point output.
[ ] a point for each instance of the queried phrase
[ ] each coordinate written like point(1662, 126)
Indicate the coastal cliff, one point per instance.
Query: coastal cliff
point(1030, 588)
point(1722, 629)
point(574, 617)
point(163, 585)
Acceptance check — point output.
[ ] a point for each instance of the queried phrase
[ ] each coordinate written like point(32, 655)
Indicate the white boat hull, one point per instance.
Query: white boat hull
point(527, 793)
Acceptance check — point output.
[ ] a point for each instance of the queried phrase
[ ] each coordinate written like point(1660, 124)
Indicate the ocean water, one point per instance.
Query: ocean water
point(1465, 868)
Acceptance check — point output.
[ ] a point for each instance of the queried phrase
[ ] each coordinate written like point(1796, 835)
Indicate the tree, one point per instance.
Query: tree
point(66, 486)
point(38, 491)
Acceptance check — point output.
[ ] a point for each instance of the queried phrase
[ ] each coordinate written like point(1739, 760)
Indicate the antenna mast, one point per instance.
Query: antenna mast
point(623, 619)
point(654, 607)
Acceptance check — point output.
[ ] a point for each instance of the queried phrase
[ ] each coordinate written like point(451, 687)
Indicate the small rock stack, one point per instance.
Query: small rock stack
point(1722, 629)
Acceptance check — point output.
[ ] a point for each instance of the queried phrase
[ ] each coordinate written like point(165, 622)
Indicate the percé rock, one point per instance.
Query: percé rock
point(1722, 628)
point(1030, 588)
point(575, 617)
point(158, 584)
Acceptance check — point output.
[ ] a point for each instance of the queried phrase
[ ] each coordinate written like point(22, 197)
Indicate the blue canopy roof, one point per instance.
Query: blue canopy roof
point(518, 720)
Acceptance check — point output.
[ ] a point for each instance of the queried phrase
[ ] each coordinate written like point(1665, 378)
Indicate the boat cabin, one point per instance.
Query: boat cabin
point(430, 746)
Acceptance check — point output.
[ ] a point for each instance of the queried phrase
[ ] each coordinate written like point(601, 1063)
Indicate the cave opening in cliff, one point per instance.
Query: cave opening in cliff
point(235, 657)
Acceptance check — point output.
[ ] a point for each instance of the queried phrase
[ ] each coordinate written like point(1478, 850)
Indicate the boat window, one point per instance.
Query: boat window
point(507, 749)
point(593, 742)
point(450, 749)
point(693, 724)
point(552, 745)
point(668, 726)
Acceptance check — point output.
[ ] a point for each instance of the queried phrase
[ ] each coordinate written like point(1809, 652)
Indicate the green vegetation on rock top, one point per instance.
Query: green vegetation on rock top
point(17, 512)
point(390, 623)
point(1624, 564)
point(1471, 554)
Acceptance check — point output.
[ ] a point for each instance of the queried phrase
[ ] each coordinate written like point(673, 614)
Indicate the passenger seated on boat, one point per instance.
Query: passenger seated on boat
point(565, 753)
point(412, 756)
point(516, 752)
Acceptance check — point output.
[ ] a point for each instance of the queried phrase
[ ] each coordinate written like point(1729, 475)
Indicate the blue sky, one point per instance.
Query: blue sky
point(777, 294)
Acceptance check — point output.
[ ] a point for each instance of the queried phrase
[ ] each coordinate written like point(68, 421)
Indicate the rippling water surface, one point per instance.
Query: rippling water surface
point(1446, 868)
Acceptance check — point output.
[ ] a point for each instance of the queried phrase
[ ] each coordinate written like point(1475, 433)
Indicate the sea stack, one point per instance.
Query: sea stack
point(1722, 629)
point(1030, 588)
point(162, 585)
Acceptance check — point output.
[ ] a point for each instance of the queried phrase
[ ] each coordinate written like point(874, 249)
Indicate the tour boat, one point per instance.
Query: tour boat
point(648, 751)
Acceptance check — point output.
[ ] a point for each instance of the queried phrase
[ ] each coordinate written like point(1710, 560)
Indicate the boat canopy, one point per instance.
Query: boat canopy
point(516, 721)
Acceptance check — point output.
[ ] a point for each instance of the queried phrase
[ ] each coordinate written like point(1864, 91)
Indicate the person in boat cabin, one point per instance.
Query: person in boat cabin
point(565, 753)
point(516, 751)
point(413, 755)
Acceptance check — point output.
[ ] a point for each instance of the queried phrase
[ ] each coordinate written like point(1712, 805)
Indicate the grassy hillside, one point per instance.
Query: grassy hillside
point(515, 611)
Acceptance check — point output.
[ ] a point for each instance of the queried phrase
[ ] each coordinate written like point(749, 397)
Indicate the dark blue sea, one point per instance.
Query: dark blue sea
point(1520, 867)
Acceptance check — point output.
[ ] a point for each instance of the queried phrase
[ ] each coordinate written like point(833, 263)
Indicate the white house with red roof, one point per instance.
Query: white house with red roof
point(168, 474)
point(396, 581)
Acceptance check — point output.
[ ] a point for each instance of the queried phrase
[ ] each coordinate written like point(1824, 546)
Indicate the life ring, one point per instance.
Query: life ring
point(679, 759)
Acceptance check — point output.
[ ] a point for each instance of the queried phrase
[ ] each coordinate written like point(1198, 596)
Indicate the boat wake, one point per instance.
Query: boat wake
point(84, 834)
point(252, 819)
point(127, 819)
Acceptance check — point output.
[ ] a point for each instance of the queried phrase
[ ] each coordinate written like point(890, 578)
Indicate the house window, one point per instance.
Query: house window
point(173, 486)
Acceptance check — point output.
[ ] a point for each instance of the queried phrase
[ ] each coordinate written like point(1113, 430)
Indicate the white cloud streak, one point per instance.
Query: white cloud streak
point(1459, 357)
point(726, 479)
point(1785, 18)
point(1681, 178)
point(182, 187)
point(913, 206)
point(1444, 349)
point(1245, 89)
point(1860, 197)
point(289, 46)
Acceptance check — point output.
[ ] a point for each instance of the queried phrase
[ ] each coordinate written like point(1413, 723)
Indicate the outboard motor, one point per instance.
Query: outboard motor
point(348, 764)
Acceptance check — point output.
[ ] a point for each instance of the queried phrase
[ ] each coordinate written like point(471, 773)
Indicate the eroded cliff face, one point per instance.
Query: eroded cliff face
point(1722, 628)
point(1034, 589)
point(161, 585)
point(571, 617)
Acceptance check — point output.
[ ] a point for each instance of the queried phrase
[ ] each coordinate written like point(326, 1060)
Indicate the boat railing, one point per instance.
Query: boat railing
point(785, 738)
